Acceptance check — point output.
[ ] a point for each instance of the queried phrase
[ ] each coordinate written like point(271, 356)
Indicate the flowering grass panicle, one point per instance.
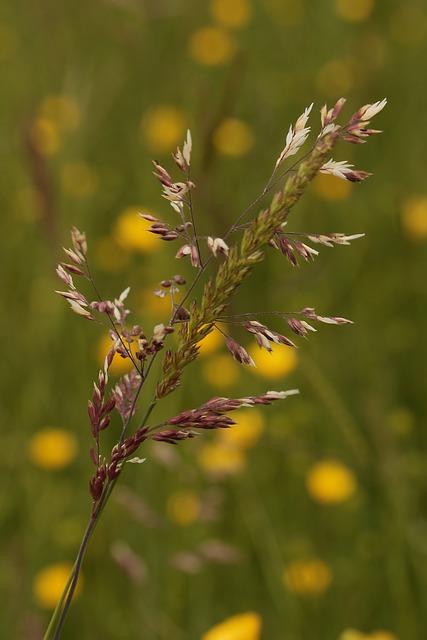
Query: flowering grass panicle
point(231, 259)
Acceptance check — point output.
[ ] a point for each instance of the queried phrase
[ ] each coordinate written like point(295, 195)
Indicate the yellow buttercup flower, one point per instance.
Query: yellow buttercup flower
point(330, 482)
point(130, 231)
point(331, 188)
point(211, 46)
point(414, 218)
point(79, 179)
point(232, 14)
point(233, 137)
point(221, 371)
point(218, 459)
point(162, 128)
point(184, 507)
point(52, 448)
point(49, 584)
point(243, 626)
point(354, 11)
point(307, 577)
point(281, 361)
point(248, 430)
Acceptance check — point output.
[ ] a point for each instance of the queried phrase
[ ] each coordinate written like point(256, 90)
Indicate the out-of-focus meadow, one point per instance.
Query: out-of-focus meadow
point(308, 520)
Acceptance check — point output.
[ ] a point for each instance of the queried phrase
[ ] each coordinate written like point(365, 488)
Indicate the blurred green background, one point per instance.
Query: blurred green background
point(311, 515)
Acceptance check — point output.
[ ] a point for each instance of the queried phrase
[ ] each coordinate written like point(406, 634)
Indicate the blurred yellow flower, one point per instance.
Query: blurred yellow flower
point(119, 365)
point(233, 137)
point(159, 308)
point(108, 256)
point(63, 110)
point(162, 128)
point(49, 584)
point(307, 577)
point(354, 11)
point(45, 136)
point(232, 14)
point(212, 342)
point(221, 371)
point(248, 430)
point(414, 217)
point(280, 362)
point(183, 507)
point(330, 482)
point(218, 459)
point(334, 78)
point(79, 179)
point(52, 448)
point(211, 46)
point(242, 626)
point(130, 231)
point(330, 187)
point(353, 634)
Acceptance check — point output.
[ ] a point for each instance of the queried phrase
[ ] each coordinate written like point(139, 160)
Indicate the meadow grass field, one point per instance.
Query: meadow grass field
point(306, 521)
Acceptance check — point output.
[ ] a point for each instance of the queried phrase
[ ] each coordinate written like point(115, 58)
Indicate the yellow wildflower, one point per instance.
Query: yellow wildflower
point(52, 448)
point(242, 626)
point(307, 577)
point(218, 459)
point(130, 231)
point(49, 584)
point(211, 46)
point(232, 14)
point(162, 128)
point(281, 361)
point(414, 218)
point(354, 11)
point(330, 482)
point(330, 187)
point(248, 430)
point(212, 342)
point(233, 137)
point(183, 507)
point(221, 371)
